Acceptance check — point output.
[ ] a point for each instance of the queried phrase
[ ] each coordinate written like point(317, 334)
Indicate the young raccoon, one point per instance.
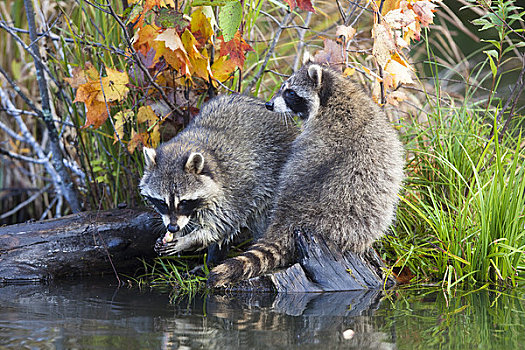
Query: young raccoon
point(341, 180)
point(218, 175)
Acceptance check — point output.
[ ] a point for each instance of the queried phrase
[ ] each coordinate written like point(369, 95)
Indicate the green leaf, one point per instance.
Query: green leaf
point(170, 18)
point(490, 54)
point(230, 18)
point(483, 22)
point(493, 42)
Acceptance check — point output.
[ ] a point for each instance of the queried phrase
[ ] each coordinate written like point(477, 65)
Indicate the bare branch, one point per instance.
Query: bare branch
point(63, 180)
point(269, 53)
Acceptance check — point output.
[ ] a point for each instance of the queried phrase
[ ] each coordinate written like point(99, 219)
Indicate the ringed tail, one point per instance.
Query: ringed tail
point(262, 257)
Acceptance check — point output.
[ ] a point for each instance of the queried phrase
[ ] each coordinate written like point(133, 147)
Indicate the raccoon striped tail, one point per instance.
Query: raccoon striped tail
point(260, 258)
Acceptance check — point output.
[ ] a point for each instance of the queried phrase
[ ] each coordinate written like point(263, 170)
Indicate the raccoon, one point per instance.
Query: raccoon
point(218, 175)
point(341, 180)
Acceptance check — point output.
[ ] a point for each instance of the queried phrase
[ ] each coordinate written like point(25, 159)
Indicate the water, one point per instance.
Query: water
point(96, 315)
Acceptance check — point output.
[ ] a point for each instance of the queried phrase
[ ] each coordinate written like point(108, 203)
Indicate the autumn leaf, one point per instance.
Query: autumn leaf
point(171, 18)
point(388, 5)
point(113, 86)
point(236, 48)
point(384, 44)
point(144, 38)
point(302, 4)
point(151, 137)
point(189, 42)
point(400, 72)
point(120, 120)
point(95, 92)
point(201, 27)
point(173, 50)
point(222, 68)
point(80, 76)
point(347, 32)
point(425, 11)
point(135, 140)
point(332, 53)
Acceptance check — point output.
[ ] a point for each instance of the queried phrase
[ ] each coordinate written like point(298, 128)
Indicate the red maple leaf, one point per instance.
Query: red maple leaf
point(236, 48)
point(302, 4)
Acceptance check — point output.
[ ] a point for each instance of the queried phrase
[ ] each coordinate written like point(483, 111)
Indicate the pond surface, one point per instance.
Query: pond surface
point(97, 315)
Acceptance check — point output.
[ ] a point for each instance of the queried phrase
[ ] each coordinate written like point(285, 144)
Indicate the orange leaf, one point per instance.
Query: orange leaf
point(236, 48)
point(143, 38)
point(96, 114)
point(135, 140)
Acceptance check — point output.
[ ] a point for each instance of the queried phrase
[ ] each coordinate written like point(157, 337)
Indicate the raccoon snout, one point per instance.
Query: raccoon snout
point(269, 105)
point(173, 228)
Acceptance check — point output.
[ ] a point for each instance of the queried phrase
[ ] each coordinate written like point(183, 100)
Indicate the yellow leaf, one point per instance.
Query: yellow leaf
point(146, 115)
point(80, 76)
point(388, 5)
point(200, 66)
point(114, 86)
point(348, 72)
point(120, 119)
point(189, 42)
point(222, 68)
point(201, 23)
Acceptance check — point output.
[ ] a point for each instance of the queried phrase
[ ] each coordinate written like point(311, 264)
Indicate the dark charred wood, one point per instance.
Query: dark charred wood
point(322, 267)
point(77, 245)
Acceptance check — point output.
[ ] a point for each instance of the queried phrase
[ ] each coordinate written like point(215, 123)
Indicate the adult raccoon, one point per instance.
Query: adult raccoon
point(341, 180)
point(218, 175)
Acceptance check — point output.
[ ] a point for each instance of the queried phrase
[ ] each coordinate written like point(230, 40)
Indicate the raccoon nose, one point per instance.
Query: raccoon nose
point(173, 228)
point(269, 105)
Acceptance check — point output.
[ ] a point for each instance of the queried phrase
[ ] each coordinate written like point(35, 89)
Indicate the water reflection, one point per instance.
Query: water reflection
point(98, 316)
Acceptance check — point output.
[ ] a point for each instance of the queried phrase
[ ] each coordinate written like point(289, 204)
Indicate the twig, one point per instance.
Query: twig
point(22, 158)
point(26, 99)
point(257, 76)
point(63, 180)
point(300, 46)
point(24, 203)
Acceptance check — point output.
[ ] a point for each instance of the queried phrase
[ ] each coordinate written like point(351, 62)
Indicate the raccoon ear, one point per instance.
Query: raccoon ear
point(315, 73)
point(149, 156)
point(307, 57)
point(195, 163)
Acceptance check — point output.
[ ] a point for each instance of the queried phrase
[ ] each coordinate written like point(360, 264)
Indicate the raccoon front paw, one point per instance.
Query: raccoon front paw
point(225, 275)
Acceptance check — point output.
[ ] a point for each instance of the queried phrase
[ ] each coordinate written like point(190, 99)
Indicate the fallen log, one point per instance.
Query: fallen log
point(77, 245)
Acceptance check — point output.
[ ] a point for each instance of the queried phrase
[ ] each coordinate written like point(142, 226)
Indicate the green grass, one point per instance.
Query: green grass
point(461, 217)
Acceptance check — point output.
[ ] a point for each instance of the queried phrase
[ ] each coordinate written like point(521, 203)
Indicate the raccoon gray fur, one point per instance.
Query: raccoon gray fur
point(218, 175)
point(341, 180)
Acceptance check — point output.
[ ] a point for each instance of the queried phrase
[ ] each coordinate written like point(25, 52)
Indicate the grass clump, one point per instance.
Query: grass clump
point(462, 216)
